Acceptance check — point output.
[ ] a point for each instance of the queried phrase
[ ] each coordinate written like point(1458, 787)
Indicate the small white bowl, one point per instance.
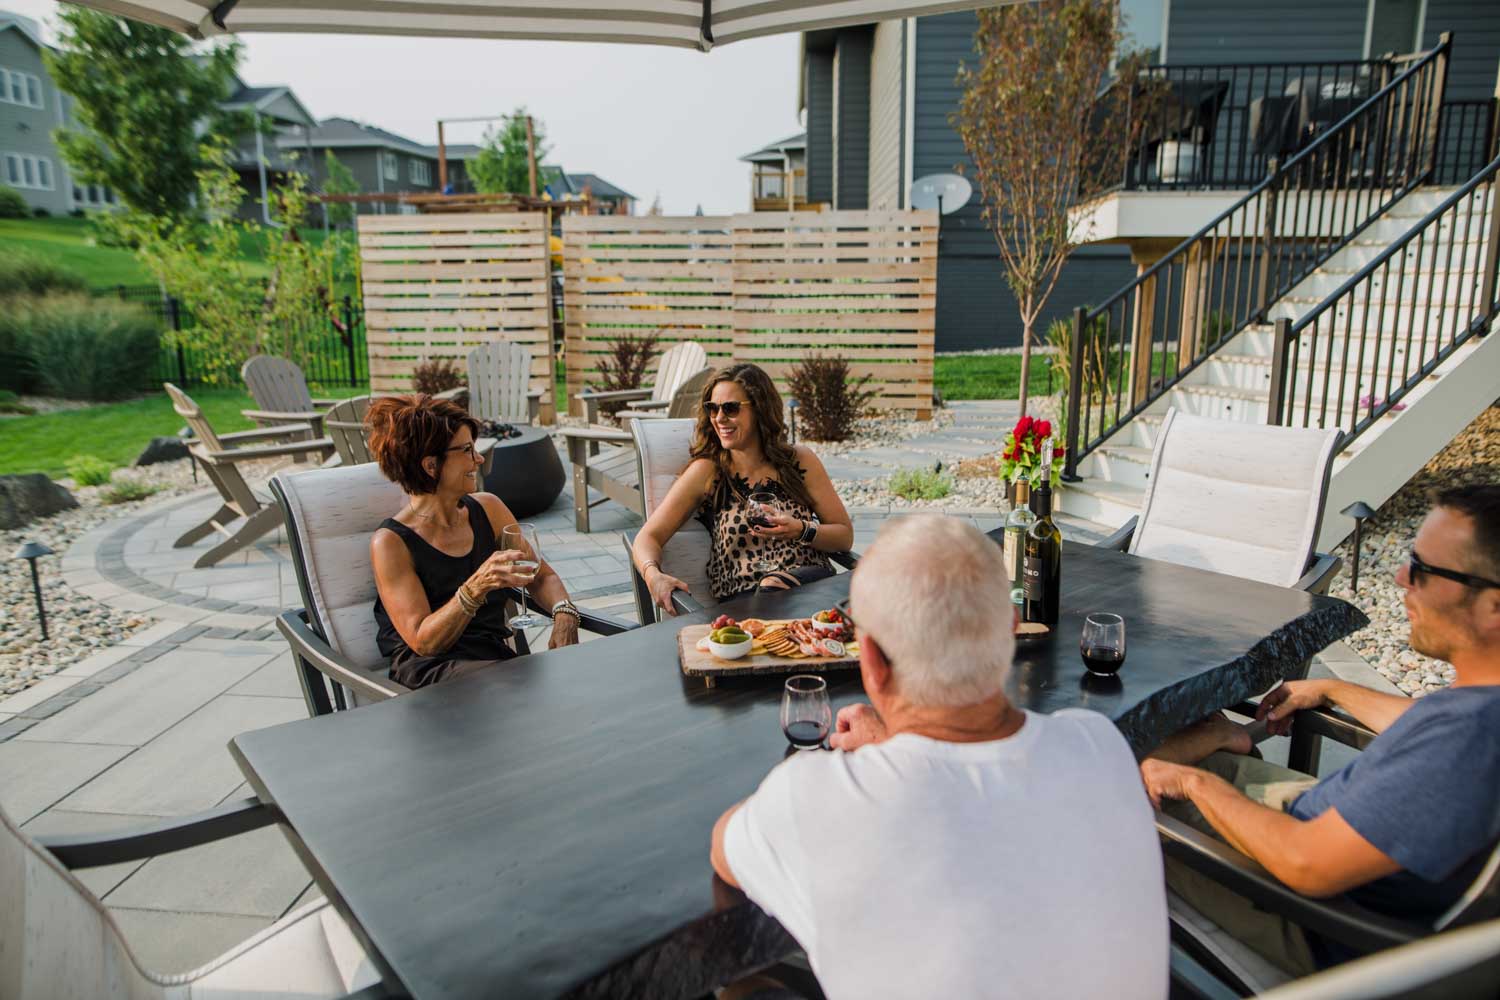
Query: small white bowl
point(730, 652)
point(827, 628)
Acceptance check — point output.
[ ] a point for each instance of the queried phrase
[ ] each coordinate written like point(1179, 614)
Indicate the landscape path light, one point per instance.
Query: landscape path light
point(31, 552)
point(1359, 510)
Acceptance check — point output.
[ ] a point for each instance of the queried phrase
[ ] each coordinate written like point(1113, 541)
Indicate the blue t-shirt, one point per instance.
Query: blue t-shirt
point(1426, 792)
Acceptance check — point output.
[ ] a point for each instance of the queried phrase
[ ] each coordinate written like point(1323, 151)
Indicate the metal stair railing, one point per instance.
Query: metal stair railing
point(1401, 315)
point(1141, 342)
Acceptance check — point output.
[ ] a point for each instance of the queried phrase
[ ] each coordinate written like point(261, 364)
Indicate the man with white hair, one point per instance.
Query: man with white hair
point(954, 845)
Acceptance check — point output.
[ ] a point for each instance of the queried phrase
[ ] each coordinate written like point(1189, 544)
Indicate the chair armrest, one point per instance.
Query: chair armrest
point(596, 622)
point(306, 644)
point(685, 603)
point(607, 434)
point(280, 415)
point(326, 403)
point(322, 445)
point(844, 559)
point(260, 433)
point(613, 395)
point(625, 415)
point(653, 404)
point(1320, 574)
point(1335, 918)
point(1120, 540)
point(1328, 723)
point(452, 394)
point(227, 820)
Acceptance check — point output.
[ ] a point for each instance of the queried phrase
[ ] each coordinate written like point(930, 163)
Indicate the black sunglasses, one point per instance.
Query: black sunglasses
point(1417, 567)
point(731, 409)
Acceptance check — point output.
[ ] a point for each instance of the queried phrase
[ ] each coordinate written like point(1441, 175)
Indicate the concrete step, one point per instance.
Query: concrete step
point(1463, 254)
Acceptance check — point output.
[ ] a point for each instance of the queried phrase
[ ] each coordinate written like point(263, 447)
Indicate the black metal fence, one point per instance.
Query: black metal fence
point(334, 351)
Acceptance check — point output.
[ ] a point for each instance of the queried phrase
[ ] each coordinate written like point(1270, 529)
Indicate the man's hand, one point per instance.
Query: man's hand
point(1165, 781)
point(1278, 706)
point(857, 726)
point(564, 631)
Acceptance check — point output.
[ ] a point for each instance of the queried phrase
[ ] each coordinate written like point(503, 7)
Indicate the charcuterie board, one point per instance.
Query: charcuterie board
point(760, 660)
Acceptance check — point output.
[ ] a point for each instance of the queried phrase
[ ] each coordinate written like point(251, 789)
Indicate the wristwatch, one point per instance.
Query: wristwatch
point(566, 607)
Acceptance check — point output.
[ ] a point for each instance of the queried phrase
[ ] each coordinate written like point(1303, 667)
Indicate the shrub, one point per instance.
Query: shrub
point(27, 274)
point(40, 212)
point(1100, 362)
point(12, 203)
point(127, 490)
point(438, 375)
point(88, 470)
point(625, 368)
point(9, 403)
point(828, 402)
point(921, 484)
point(80, 347)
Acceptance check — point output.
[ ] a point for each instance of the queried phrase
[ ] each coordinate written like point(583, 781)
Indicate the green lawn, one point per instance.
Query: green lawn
point(116, 432)
point(987, 376)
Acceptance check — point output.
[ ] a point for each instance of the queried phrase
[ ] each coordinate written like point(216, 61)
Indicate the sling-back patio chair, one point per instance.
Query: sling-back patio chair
point(661, 448)
point(281, 394)
point(1238, 499)
point(678, 364)
point(221, 456)
point(330, 515)
point(499, 384)
point(61, 941)
point(1335, 919)
point(604, 458)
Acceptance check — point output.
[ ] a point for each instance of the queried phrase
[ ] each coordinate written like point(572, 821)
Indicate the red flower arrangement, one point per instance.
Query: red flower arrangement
point(1022, 451)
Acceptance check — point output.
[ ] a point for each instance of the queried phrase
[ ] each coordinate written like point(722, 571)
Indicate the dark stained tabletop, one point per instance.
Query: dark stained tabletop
point(541, 829)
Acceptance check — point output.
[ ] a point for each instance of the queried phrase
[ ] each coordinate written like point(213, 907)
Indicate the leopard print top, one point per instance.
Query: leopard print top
point(735, 549)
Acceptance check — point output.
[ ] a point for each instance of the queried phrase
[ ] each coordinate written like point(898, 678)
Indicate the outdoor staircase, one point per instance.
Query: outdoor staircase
point(1433, 279)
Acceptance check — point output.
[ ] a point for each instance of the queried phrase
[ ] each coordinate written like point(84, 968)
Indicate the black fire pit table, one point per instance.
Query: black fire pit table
point(525, 472)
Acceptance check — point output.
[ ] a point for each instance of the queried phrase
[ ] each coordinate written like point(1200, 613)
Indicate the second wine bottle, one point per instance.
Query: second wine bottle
point(1041, 559)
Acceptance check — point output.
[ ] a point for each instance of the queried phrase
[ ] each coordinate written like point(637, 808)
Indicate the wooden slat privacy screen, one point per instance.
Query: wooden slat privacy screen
point(435, 286)
point(772, 288)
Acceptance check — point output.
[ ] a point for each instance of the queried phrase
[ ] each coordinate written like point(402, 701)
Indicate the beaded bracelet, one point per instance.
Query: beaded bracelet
point(468, 602)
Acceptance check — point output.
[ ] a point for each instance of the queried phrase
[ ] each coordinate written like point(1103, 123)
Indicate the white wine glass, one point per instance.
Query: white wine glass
point(522, 538)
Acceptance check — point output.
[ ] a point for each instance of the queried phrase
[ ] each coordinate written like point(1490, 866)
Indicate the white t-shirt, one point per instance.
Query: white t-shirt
point(1026, 867)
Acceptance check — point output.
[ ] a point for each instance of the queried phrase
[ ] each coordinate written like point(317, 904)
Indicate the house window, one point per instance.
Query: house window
point(421, 172)
point(391, 165)
point(1141, 27)
point(24, 171)
point(20, 88)
point(1393, 26)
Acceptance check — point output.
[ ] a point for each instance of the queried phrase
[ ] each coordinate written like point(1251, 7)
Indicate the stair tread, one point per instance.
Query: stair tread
point(1132, 452)
point(1118, 492)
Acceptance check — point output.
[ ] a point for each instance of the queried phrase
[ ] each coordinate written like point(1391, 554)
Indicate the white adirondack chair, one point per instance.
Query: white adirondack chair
point(499, 384)
point(678, 364)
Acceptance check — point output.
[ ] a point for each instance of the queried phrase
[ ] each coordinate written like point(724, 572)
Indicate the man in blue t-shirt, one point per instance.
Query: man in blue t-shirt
point(1406, 826)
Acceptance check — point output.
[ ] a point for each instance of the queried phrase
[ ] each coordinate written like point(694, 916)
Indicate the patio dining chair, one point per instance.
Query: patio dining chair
point(499, 384)
point(1335, 919)
point(661, 448)
point(1236, 498)
point(330, 515)
point(61, 941)
point(678, 364)
point(281, 394)
point(221, 456)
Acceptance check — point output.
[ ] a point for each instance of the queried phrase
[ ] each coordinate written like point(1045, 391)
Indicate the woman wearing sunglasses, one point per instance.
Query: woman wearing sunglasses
point(441, 574)
point(740, 449)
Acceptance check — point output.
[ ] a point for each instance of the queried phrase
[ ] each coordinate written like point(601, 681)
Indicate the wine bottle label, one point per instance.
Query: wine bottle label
point(1012, 554)
point(1034, 578)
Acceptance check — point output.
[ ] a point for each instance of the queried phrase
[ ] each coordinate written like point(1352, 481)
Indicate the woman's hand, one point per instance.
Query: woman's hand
point(564, 631)
point(662, 585)
point(499, 572)
point(783, 526)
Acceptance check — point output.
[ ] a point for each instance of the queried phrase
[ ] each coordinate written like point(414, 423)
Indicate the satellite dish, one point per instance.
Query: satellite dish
point(945, 192)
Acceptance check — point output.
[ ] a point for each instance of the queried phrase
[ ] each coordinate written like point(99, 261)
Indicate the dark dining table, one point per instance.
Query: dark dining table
point(541, 829)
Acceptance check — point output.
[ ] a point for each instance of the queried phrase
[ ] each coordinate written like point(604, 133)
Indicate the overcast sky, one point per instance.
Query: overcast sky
point(647, 118)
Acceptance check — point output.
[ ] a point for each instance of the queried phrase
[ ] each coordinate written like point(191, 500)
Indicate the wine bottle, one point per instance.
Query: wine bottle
point(1041, 559)
point(1016, 524)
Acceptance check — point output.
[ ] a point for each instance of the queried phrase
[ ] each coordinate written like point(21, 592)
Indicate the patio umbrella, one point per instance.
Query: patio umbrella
point(699, 24)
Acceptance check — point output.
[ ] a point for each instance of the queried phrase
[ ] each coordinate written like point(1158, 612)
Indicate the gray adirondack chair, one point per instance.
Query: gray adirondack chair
point(345, 427)
point(220, 456)
point(499, 384)
point(680, 363)
point(281, 394)
point(604, 458)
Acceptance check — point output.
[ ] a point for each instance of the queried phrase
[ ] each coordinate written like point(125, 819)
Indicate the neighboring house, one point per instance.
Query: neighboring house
point(608, 199)
point(778, 175)
point(279, 143)
point(382, 162)
point(877, 100)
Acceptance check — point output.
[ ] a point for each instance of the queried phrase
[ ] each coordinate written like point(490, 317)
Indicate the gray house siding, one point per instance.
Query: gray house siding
point(26, 131)
point(364, 162)
point(1476, 44)
point(1212, 31)
point(819, 91)
point(851, 63)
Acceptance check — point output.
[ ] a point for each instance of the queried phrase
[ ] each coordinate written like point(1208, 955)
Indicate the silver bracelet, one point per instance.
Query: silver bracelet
point(566, 607)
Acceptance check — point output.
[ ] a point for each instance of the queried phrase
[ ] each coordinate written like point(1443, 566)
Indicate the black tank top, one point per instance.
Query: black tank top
point(484, 638)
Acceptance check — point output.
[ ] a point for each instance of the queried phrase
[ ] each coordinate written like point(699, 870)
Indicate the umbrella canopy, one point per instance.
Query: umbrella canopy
point(699, 24)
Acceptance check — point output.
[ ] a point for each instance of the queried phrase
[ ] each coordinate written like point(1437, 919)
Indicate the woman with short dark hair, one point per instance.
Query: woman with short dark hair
point(739, 447)
point(438, 569)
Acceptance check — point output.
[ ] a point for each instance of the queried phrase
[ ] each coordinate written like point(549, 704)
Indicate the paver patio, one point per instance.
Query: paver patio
point(139, 731)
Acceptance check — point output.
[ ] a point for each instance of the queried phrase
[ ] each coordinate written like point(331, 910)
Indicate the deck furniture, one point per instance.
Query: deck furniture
point(345, 426)
point(221, 456)
point(1335, 919)
point(281, 394)
point(330, 515)
point(573, 792)
point(499, 381)
point(1236, 498)
point(525, 472)
point(661, 447)
point(604, 458)
point(62, 941)
point(678, 364)
point(1456, 965)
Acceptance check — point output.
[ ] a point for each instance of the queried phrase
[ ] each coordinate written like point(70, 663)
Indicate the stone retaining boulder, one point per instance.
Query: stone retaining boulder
point(25, 498)
point(163, 449)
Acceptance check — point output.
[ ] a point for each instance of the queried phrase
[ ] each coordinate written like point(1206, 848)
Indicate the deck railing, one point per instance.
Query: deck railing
point(1466, 139)
point(1142, 341)
point(1385, 329)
